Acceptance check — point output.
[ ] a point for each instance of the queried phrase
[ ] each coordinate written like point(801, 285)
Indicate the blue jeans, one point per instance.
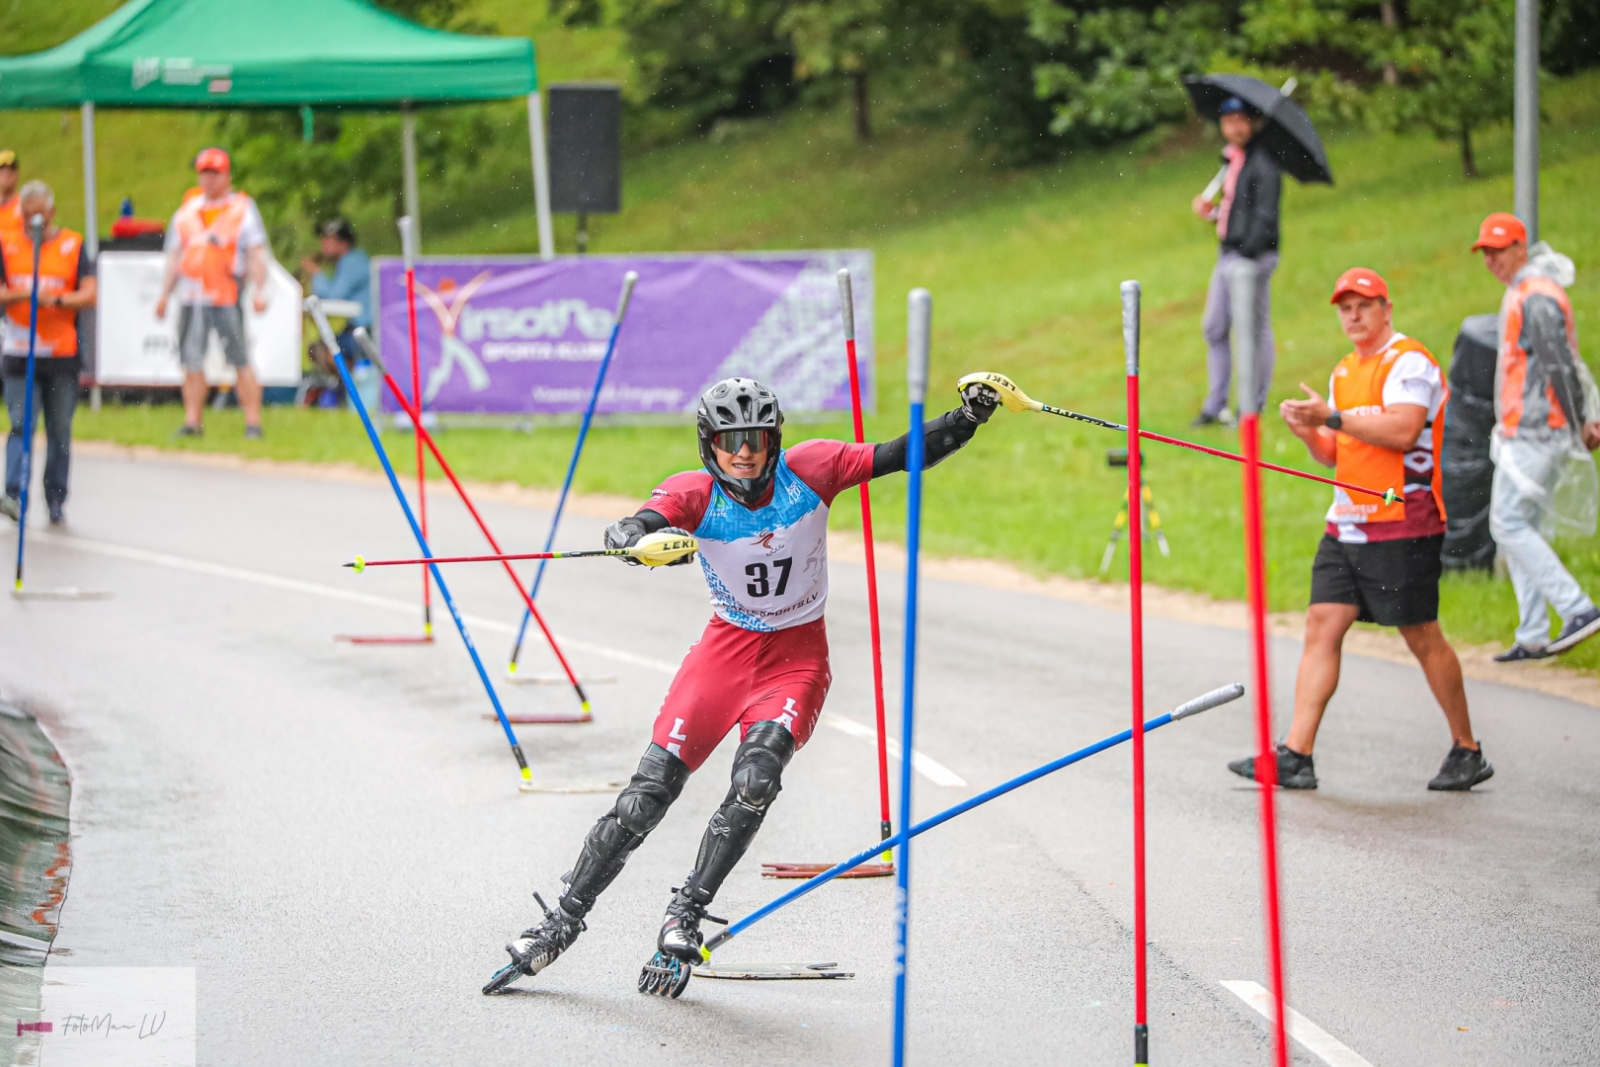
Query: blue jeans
point(56, 395)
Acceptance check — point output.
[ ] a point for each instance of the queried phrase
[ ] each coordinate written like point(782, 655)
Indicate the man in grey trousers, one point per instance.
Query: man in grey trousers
point(1247, 227)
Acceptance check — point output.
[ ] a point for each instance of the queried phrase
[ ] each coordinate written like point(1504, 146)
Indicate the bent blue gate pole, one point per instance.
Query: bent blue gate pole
point(919, 322)
point(36, 234)
point(326, 331)
point(1205, 702)
point(628, 281)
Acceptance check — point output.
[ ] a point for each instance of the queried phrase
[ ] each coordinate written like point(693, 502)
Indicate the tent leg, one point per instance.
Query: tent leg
point(91, 224)
point(541, 178)
point(408, 157)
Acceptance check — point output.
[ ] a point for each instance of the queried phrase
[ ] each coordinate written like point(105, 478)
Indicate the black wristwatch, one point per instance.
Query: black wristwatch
point(1334, 421)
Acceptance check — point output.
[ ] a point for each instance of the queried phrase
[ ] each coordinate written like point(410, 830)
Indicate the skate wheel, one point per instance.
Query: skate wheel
point(502, 978)
point(681, 981)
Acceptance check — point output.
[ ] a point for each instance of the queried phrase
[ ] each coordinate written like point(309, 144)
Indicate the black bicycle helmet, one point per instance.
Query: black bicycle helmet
point(740, 404)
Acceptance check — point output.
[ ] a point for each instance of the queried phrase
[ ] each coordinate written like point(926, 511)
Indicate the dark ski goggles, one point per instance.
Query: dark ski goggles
point(731, 441)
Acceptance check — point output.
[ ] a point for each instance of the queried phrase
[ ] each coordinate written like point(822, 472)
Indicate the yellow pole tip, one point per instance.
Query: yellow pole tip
point(527, 774)
point(359, 564)
point(705, 954)
point(1390, 496)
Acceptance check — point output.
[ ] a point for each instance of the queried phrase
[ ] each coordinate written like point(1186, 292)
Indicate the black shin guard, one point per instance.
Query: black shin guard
point(639, 809)
point(757, 773)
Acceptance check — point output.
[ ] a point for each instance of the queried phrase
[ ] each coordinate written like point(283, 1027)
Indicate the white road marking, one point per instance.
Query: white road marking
point(295, 585)
point(935, 772)
point(1319, 1042)
point(929, 768)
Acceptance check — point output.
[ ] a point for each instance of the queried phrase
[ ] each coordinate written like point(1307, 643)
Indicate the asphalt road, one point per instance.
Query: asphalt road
point(331, 835)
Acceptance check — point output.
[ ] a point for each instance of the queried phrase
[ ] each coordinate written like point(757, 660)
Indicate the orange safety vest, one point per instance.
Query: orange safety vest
point(1358, 390)
point(11, 217)
point(208, 235)
point(1513, 368)
point(58, 273)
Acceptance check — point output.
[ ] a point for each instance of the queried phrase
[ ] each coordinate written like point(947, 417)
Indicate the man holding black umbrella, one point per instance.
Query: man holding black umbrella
point(1266, 134)
point(1247, 226)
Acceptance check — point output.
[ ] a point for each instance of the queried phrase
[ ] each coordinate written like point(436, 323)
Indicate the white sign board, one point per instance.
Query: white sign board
point(136, 348)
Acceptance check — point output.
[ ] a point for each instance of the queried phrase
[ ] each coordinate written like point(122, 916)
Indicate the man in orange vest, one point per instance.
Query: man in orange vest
point(10, 205)
point(1381, 426)
point(1545, 420)
point(214, 240)
point(66, 283)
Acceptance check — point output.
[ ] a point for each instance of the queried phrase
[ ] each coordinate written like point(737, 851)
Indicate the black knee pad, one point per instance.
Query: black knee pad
point(759, 763)
point(655, 785)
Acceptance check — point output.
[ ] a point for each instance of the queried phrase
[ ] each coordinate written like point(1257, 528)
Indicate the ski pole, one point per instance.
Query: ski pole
point(656, 550)
point(919, 331)
point(1130, 346)
point(1242, 287)
point(408, 249)
point(1205, 702)
point(415, 413)
point(628, 281)
point(1016, 400)
point(36, 235)
point(314, 306)
point(847, 306)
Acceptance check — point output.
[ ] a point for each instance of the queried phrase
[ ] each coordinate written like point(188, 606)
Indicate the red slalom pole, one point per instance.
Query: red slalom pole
point(1130, 344)
point(426, 438)
point(1350, 487)
point(408, 247)
point(1242, 283)
point(848, 307)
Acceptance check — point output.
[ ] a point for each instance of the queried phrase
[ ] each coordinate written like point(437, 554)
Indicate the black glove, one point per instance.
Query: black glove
point(978, 402)
point(625, 533)
point(677, 532)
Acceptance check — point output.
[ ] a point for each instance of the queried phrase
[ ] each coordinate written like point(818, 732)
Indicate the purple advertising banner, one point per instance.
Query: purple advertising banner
point(522, 335)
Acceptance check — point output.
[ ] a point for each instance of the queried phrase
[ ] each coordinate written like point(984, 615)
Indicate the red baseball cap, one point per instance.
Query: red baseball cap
point(1361, 281)
point(213, 159)
point(1501, 230)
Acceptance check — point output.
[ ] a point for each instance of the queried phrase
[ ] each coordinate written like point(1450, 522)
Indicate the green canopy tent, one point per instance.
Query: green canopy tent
point(286, 53)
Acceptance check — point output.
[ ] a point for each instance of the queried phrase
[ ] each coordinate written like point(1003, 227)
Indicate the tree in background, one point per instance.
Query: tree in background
point(1120, 66)
point(1457, 67)
point(848, 37)
point(701, 60)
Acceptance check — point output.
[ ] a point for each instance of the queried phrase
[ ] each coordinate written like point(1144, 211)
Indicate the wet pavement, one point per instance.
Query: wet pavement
point(331, 835)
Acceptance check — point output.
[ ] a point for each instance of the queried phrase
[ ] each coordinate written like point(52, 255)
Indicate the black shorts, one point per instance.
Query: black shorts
point(1394, 583)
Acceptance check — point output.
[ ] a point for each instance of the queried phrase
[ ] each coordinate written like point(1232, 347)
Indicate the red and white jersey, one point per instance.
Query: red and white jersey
point(767, 566)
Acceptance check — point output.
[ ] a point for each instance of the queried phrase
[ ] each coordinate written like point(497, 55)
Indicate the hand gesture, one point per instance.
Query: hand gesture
point(1203, 207)
point(979, 401)
point(258, 301)
point(1307, 414)
point(161, 307)
point(1591, 435)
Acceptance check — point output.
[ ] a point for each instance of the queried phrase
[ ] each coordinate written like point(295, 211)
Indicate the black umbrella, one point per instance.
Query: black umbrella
point(1288, 133)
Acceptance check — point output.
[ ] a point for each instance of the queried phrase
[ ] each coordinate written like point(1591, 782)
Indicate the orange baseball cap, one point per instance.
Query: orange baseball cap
point(1501, 230)
point(213, 159)
point(1362, 281)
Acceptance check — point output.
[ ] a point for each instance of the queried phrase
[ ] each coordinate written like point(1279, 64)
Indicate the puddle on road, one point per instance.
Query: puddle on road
point(35, 860)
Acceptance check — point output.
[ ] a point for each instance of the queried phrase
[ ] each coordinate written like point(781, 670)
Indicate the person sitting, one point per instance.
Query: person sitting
point(351, 279)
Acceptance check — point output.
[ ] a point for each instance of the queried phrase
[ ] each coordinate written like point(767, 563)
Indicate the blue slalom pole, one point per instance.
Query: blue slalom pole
point(321, 319)
point(35, 234)
point(1201, 703)
point(628, 281)
point(919, 322)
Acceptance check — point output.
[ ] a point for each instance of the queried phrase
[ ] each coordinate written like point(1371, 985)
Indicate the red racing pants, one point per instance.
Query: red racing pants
point(737, 677)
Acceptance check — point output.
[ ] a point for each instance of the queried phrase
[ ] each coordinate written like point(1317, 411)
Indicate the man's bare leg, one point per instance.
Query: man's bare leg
point(1443, 671)
point(1318, 677)
point(194, 398)
point(249, 388)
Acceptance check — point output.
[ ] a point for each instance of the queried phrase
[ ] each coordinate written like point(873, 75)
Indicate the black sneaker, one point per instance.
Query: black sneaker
point(1518, 653)
point(189, 431)
point(1203, 419)
point(1462, 769)
point(1294, 770)
point(1578, 629)
point(58, 514)
point(252, 433)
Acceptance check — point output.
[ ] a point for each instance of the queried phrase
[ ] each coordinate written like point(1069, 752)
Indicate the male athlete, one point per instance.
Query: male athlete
point(760, 513)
